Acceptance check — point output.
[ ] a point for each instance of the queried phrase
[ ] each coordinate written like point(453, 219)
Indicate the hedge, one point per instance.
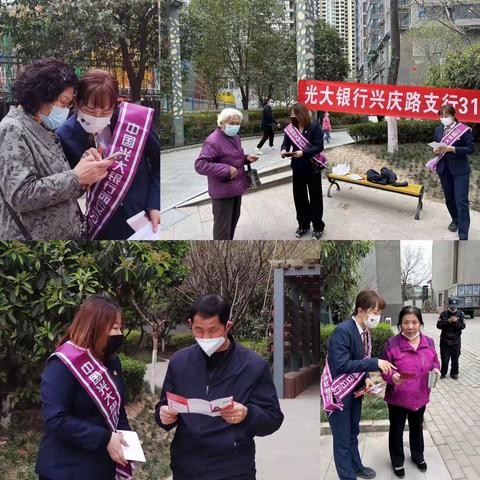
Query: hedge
point(262, 347)
point(379, 336)
point(178, 341)
point(133, 374)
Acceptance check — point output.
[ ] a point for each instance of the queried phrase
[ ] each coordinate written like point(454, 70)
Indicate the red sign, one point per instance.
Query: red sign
point(388, 100)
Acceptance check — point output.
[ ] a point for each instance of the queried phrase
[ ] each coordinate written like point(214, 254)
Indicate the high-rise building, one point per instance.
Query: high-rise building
point(340, 14)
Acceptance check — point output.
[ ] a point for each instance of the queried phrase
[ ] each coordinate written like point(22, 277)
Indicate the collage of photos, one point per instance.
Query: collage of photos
point(239, 240)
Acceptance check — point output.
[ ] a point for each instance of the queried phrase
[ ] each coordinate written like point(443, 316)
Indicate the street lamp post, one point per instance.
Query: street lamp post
point(305, 40)
point(175, 58)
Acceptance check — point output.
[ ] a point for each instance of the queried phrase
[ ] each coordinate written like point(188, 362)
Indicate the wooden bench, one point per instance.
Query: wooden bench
point(412, 190)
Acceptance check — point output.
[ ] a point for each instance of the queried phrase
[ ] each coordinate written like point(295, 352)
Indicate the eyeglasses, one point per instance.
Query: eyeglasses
point(65, 101)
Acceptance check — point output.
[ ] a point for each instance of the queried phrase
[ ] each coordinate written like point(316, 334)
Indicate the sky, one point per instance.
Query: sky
point(424, 245)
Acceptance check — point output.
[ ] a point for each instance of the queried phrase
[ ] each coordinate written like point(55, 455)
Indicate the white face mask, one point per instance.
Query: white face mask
point(411, 338)
point(373, 320)
point(210, 345)
point(92, 124)
point(447, 121)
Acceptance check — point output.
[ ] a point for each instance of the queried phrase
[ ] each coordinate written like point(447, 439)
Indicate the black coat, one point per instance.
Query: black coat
point(303, 165)
point(76, 434)
point(267, 117)
point(451, 332)
point(458, 163)
point(208, 448)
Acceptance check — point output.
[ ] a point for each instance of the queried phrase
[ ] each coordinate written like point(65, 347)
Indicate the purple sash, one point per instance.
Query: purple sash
point(96, 381)
point(129, 137)
point(450, 138)
point(334, 391)
point(298, 139)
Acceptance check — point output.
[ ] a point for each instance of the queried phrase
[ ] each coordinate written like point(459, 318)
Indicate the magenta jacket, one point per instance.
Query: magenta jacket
point(413, 393)
point(218, 154)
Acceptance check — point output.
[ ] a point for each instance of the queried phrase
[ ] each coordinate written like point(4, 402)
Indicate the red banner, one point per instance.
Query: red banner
point(388, 100)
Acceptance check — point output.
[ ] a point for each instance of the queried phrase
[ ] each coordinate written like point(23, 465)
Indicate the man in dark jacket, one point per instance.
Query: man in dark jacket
point(222, 447)
point(268, 123)
point(451, 322)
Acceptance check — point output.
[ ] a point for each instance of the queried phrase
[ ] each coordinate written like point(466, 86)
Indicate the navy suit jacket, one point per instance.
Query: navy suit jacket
point(144, 192)
point(208, 448)
point(457, 162)
point(346, 353)
point(76, 434)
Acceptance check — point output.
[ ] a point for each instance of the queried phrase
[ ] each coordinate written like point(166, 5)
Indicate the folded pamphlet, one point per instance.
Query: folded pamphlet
point(212, 408)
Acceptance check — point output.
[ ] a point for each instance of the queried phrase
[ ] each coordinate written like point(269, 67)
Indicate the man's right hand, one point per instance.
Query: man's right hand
point(385, 366)
point(92, 168)
point(233, 172)
point(167, 415)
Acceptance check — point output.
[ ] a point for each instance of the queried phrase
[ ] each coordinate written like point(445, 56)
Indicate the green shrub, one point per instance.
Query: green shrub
point(409, 131)
point(262, 347)
point(181, 340)
point(133, 374)
point(379, 337)
point(130, 345)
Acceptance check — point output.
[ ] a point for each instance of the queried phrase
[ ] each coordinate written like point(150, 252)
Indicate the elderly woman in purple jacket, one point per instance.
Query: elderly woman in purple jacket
point(222, 160)
point(407, 393)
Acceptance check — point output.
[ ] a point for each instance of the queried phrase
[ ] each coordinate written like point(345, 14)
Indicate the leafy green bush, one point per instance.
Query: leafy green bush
point(262, 347)
point(178, 341)
point(133, 374)
point(130, 345)
point(409, 131)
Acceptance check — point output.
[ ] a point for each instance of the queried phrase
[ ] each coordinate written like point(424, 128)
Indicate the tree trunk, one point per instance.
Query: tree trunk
point(154, 360)
point(392, 129)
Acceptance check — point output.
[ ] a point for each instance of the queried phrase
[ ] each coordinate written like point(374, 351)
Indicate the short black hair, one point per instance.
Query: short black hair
point(407, 310)
point(211, 305)
point(42, 82)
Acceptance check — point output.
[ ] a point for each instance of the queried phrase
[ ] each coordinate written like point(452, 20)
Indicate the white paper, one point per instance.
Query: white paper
point(355, 176)
point(437, 144)
point(341, 169)
point(146, 233)
point(213, 408)
point(376, 389)
point(134, 451)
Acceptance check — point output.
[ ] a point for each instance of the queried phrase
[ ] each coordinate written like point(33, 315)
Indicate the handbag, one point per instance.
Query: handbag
point(16, 219)
point(253, 180)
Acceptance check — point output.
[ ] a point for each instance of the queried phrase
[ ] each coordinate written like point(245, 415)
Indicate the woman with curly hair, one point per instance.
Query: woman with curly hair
point(39, 190)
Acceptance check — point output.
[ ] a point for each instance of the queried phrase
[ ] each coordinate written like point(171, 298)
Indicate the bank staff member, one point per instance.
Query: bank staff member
point(453, 169)
point(346, 371)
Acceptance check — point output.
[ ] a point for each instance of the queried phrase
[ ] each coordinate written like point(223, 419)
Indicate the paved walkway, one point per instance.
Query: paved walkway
point(180, 182)
point(353, 213)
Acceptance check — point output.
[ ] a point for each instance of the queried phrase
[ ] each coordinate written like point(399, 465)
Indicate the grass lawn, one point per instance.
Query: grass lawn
point(19, 444)
point(373, 408)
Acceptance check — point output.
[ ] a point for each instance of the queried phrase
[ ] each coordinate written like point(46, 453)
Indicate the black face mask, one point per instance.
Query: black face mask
point(114, 343)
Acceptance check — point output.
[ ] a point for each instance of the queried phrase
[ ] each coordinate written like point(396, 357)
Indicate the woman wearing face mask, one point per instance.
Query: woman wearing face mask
point(453, 168)
point(222, 160)
point(39, 191)
point(82, 394)
point(92, 126)
point(305, 138)
point(407, 393)
point(349, 359)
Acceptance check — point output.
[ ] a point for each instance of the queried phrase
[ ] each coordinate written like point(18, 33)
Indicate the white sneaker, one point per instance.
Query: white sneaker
point(273, 148)
point(257, 150)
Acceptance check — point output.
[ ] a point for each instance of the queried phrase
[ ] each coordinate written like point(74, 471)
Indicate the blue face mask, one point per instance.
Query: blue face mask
point(55, 118)
point(231, 130)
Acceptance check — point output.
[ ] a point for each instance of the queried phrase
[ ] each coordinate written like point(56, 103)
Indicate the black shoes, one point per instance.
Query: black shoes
point(455, 377)
point(317, 234)
point(301, 232)
point(366, 472)
point(422, 466)
point(443, 375)
point(399, 472)
point(453, 227)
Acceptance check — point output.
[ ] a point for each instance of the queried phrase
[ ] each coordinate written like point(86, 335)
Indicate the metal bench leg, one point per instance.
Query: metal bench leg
point(419, 208)
point(332, 183)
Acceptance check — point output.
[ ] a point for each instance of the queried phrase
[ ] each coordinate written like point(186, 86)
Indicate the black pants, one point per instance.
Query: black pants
point(398, 416)
point(448, 352)
point(307, 195)
point(226, 213)
point(246, 476)
point(455, 188)
point(268, 134)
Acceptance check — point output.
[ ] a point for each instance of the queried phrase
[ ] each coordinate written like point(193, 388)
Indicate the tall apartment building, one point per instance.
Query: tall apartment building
point(340, 14)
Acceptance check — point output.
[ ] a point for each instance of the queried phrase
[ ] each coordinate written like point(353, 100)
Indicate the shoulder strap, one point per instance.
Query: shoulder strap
point(16, 219)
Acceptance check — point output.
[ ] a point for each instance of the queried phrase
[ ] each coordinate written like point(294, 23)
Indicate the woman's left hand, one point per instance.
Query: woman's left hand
point(369, 384)
point(252, 158)
point(437, 372)
point(154, 218)
point(298, 154)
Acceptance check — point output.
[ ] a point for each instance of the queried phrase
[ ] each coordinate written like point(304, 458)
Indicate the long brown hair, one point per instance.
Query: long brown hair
point(302, 114)
point(92, 324)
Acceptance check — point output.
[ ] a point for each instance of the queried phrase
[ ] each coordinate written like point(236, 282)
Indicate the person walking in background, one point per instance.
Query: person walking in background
point(222, 160)
point(451, 323)
point(326, 127)
point(349, 359)
point(268, 127)
point(408, 391)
